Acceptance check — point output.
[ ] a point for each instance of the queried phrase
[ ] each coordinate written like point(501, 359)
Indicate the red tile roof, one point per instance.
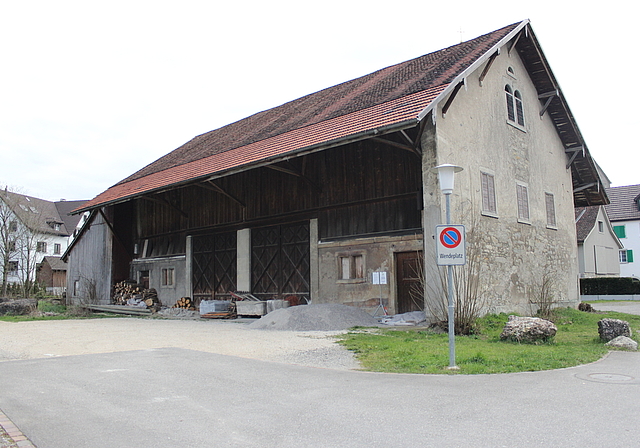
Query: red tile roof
point(391, 97)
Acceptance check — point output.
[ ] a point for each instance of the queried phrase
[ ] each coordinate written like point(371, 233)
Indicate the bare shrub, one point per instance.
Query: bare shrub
point(469, 300)
point(541, 294)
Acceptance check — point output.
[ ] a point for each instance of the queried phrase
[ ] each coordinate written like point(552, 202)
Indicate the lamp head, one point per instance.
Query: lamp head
point(445, 176)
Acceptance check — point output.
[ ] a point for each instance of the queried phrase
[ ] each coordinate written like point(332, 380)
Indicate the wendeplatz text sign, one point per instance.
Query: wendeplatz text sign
point(450, 245)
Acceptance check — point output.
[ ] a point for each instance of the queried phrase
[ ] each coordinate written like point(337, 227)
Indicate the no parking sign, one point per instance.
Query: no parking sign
point(450, 245)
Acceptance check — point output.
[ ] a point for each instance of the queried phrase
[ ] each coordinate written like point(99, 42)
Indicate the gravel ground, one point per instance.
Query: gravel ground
point(302, 338)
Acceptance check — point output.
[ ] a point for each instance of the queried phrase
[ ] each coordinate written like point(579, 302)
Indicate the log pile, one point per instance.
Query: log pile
point(124, 291)
point(185, 303)
point(127, 293)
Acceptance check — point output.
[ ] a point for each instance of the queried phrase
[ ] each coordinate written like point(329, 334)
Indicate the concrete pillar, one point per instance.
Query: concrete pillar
point(243, 282)
point(188, 268)
point(314, 263)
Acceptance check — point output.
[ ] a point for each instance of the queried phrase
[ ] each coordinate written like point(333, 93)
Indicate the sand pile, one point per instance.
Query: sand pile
point(322, 317)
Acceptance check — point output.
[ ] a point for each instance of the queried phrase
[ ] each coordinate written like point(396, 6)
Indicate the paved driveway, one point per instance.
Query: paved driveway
point(175, 397)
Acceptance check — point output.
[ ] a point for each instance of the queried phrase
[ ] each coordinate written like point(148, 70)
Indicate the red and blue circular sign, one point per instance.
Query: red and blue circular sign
point(450, 237)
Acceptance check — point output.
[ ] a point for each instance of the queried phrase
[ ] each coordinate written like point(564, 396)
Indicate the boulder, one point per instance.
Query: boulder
point(528, 329)
point(586, 307)
point(17, 307)
point(624, 343)
point(609, 329)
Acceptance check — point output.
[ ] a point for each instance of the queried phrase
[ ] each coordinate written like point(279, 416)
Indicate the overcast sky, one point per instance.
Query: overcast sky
point(93, 91)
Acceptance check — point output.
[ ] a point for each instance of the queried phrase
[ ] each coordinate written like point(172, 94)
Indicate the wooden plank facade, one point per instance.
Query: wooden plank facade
point(360, 189)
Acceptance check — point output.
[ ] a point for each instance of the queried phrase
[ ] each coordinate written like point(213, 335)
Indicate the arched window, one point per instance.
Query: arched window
point(519, 109)
point(515, 109)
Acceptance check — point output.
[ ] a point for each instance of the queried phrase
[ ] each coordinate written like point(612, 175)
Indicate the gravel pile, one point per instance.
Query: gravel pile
point(323, 317)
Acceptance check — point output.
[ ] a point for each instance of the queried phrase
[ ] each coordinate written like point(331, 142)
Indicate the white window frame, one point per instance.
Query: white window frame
point(515, 107)
point(626, 256)
point(488, 194)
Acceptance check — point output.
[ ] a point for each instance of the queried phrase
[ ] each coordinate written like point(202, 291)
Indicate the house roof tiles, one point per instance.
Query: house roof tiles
point(624, 204)
point(585, 220)
point(392, 96)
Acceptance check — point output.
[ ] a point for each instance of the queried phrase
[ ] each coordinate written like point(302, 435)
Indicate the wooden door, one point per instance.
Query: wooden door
point(214, 264)
point(280, 261)
point(409, 279)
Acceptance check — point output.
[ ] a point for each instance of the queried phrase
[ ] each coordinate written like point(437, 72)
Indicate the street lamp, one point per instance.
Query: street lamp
point(445, 177)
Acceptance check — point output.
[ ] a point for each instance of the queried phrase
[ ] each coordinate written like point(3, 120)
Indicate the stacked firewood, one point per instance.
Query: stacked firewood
point(185, 303)
point(133, 294)
point(124, 291)
point(150, 298)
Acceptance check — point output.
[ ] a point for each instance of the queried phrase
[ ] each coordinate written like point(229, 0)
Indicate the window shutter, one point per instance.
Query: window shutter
point(629, 256)
point(523, 202)
point(488, 193)
point(620, 231)
point(551, 210)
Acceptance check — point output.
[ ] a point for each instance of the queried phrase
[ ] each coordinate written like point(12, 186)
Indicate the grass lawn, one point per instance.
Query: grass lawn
point(422, 351)
point(49, 311)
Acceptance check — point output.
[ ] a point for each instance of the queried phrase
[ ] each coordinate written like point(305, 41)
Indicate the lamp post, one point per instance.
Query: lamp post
point(446, 177)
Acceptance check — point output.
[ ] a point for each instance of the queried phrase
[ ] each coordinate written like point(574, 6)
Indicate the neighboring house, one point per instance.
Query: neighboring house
point(52, 274)
point(33, 229)
point(624, 213)
point(306, 201)
point(598, 244)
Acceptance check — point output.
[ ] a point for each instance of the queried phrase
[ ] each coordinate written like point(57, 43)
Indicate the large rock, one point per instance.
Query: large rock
point(17, 307)
point(528, 329)
point(624, 343)
point(609, 329)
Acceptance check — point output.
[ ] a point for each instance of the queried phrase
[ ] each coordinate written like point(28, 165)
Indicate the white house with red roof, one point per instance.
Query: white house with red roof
point(314, 199)
point(624, 212)
point(33, 229)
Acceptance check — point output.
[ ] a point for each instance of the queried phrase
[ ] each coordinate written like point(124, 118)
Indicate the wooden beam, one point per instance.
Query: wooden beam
point(411, 149)
point(488, 66)
point(447, 104)
point(549, 96)
point(515, 41)
point(574, 153)
point(584, 187)
point(212, 186)
point(113, 232)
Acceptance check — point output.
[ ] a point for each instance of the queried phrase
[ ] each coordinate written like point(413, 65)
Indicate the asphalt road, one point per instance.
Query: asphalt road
point(182, 398)
point(176, 397)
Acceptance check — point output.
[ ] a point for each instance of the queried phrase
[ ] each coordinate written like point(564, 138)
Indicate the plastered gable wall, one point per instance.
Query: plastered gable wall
point(474, 134)
point(598, 255)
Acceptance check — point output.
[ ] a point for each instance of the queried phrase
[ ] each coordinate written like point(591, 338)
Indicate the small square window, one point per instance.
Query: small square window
point(13, 268)
point(626, 256)
point(351, 267)
point(41, 246)
point(167, 277)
